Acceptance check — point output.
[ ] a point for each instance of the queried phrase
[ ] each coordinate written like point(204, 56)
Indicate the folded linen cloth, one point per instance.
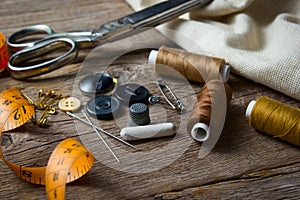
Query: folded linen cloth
point(259, 39)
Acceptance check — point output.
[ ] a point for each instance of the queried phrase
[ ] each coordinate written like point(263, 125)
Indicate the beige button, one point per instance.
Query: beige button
point(69, 104)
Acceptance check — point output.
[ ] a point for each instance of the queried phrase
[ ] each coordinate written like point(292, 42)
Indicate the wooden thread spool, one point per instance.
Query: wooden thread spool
point(194, 67)
point(200, 118)
point(275, 118)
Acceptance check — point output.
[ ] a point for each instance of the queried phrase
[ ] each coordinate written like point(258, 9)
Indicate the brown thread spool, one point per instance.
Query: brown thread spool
point(194, 67)
point(200, 118)
point(275, 118)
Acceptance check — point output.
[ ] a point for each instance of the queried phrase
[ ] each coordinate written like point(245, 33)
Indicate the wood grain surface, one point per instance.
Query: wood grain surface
point(244, 164)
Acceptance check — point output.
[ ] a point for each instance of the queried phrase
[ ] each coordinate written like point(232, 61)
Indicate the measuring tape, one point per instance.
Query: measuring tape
point(69, 161)
point(4, 55)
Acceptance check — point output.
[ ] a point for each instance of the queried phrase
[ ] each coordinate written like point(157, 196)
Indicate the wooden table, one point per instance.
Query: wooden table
point(244, 164)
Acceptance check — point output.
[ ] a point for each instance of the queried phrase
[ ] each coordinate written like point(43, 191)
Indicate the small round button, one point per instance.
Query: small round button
point(70, 104)
point(103, 107)
point(96, 84)
point(131, 93)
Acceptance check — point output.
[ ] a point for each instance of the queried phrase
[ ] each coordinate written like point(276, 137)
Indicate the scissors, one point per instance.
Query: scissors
point(25, 63)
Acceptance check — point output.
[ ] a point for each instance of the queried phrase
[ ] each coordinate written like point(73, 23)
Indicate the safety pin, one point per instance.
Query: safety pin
point(43, 119)
point(155, 99)
point(41, 105)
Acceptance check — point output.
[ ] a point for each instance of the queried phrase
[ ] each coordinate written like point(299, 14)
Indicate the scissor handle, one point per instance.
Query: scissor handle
point(23, 65)
point(15, 43)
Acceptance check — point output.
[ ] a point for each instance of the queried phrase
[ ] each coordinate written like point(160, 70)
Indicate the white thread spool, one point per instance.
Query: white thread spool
point(148, 131)
point(200, 132)
point(224, 70)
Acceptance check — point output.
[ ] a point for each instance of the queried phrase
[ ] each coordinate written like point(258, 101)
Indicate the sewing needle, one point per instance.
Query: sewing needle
point(88, 119)
point(100, 129)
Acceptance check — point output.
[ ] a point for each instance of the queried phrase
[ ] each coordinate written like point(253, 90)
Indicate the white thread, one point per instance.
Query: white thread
point(148, 131)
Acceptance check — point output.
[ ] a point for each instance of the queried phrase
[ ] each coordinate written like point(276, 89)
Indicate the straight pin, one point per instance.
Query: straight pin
point(88, 119)
point(100, 129)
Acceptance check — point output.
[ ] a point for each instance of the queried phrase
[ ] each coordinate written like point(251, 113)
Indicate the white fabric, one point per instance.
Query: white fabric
point(260, 39)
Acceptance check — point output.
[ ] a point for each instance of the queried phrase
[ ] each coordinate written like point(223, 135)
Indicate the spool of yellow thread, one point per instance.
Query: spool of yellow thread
point(275, 118)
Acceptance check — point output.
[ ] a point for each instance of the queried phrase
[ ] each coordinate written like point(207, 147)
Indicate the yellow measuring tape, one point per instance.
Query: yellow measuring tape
point(69, 161)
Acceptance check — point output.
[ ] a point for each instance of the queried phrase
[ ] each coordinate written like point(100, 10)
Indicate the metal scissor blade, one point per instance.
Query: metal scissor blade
point(148, 17)
point(36, 58)
point(162, 12)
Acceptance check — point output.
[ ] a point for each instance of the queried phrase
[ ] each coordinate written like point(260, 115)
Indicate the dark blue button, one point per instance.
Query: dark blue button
point(131, 93)
point(96, 84)
point(103, 107)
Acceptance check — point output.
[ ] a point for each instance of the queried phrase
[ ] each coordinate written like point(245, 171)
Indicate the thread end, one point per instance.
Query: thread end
point(250, 108)
point(200, 132)
point(152, 57)
point(225, 72)
point(123, 134)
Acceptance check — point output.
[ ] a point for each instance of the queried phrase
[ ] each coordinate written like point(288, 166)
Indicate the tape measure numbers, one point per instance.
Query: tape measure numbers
point(69, 161)
point(15, 110)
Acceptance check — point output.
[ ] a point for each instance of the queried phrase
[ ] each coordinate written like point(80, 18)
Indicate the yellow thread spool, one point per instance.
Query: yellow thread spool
point(4, 55)
point(275, 118)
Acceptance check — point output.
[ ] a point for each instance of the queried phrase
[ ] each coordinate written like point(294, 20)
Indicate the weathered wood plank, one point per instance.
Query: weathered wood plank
point(244, 163)
point(266, 183)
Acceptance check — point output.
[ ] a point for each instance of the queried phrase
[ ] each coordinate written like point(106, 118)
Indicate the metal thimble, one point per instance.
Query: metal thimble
point(138, 115)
